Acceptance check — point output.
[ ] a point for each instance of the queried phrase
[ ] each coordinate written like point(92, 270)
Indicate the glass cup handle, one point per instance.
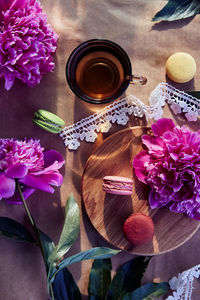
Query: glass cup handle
point(137, 79)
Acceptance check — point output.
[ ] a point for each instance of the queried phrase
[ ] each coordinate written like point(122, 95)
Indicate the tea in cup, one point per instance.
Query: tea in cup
point(99, 71)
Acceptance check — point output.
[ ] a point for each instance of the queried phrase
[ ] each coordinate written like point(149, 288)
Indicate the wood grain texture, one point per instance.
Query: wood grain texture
point(108, 212)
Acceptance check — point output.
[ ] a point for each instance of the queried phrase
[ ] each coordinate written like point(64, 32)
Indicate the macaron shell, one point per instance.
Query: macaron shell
point(118, 179)
point(117, 185)
point(49, 116)
point(47, 126)
point(180, 67)
point(138, 229)
point(117, 192)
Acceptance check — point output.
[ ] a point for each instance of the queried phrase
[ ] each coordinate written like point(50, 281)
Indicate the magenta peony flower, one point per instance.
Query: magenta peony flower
point(33, 168)
point(171, 167)
point(27, 42)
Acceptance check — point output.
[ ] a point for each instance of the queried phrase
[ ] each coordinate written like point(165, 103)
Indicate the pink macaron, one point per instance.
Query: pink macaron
point(117, 185)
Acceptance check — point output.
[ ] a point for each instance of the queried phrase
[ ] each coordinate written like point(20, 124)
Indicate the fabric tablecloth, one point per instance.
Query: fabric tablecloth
point(148, 44)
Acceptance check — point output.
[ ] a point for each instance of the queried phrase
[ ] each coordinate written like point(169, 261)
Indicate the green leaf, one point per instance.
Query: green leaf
point(70, 230)
point(13, 229)
point(94, 253)
point(100, 278)
point(128, 277)
point(195, 94)
point(178, 9)
point(47, 246)
point(64, 286)
point(149, 289)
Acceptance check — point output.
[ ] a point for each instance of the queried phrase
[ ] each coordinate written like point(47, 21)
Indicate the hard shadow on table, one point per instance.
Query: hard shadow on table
point(181, 120)
point(95, 238)
point(22, 271)
point(116, 210)
point(17, 108)
point(174, 262)
point(18, 105)
point(188, 86)
point(21, 260)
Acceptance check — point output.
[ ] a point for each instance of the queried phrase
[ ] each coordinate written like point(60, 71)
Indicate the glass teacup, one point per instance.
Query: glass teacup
point(99, 71)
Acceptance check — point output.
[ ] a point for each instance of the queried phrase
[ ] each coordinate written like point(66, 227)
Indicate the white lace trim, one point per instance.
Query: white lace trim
point(179, 101)
point(183, 284)
point(119, 112)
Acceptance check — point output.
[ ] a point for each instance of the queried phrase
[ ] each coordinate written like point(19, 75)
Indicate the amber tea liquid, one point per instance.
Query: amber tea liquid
point(99, 74)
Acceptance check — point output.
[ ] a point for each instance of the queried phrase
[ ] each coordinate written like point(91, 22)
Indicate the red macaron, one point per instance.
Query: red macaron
point(138, 229)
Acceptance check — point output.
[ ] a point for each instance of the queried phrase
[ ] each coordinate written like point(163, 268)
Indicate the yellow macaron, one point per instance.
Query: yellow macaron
point(181, 67)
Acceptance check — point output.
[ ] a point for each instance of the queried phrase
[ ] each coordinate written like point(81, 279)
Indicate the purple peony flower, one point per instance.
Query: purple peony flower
point(26, 162)
point(27, 42)
point(171, 167)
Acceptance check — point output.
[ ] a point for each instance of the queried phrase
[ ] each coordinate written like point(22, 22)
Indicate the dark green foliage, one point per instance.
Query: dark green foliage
point(178, 9)
point(15, 230)
point(100, 279)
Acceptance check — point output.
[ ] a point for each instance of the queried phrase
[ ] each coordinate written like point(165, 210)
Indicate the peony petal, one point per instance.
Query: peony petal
point(162, 126)
point(196, 214)
point(37, 182)
point(51, 156)
point(9, 80)
point(18, 4)
point(49, 170)
point(174, 156)
point(167, 177)
point(17, 171)
point(16, 198)
point(154, 201)
point(171, 167)
point(52, 179)
point(170, 137)
point(153, 143)
point(28, 42)
point(7, 186)
point(174, 207)
point(139, 162)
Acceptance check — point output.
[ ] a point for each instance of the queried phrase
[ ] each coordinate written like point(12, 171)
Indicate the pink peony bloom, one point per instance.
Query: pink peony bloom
point(26, 162)
point(27, 42)
point(171, 167)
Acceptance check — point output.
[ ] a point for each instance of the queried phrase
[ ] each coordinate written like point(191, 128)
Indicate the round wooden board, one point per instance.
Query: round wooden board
point(108, 212)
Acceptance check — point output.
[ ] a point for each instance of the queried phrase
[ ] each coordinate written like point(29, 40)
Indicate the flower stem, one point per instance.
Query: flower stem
point(51, 291)
point(31, 221)
point(37, 233)
point(25, 206)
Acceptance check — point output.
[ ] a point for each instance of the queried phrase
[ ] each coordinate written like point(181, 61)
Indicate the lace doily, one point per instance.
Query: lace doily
point(183, 284)
point(119, 112)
